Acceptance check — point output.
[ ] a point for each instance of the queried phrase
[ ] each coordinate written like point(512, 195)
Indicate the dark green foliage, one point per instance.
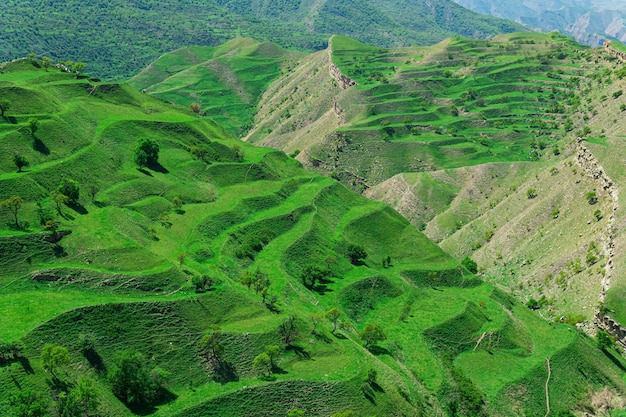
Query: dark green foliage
point(312, 274)
point(355, 253)
point(28, 403)
point(591, 197)
point(456, 277)
point(605, 340)
point(10, 350)
point(53, 357)
point(5, 104)
point(372, 334)
point(20, 161)
point(202, 282)
point(133, 382)
point(70, 189)
point(81, 400)
point(146, 152)
point(469, 264)
point(215, 22)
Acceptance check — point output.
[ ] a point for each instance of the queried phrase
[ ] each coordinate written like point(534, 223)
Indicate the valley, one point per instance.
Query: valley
point(416, 231)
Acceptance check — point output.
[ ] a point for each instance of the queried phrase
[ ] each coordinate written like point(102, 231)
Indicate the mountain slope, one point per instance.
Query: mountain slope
point(589, 22)
point(159, 254)
point(116, 38)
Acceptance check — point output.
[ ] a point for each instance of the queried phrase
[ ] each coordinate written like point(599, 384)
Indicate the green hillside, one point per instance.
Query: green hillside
point(117, 38)
point(132, 273)
point(225, 82)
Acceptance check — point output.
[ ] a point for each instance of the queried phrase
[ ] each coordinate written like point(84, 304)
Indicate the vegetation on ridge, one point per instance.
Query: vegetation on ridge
point(167, 282)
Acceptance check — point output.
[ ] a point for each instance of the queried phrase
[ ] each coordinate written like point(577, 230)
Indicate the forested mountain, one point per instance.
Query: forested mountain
point(588, 21)
point(117, 38)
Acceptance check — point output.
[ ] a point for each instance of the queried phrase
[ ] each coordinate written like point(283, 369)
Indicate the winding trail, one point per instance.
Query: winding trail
point(547, 393)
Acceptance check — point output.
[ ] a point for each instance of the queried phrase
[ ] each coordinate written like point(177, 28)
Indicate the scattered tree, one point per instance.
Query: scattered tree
point(333, 315)
point(272, 351)
point(28, 403)
point(289, 330)
point(140, 158)
point(262, 364)
point(13, 204)
point(20, 162)
point(59, 199)
point(591, 197)
point(146, 152)
point(93, 192)
point(372, 376)
point(132, 382)
point(531, 193)
point(46, 61)
point(86, 342)
point(372, 334)
point(604, 340)
point(356, 253)
point(195, 107)
point(53, 357)
point(81, 401)
point(33, 125)
point(5, 104)
point(70, 189)
point(202, 282)
point(469, 264)
point(78, 67)
point(212, 345)
point(181, 259)
point(312, 274)
point(238, 152)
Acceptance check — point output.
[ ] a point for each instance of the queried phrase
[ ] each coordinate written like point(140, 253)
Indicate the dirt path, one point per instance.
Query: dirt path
point(547, 393)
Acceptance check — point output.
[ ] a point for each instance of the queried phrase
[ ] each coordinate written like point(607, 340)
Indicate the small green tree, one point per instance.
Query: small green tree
point(132, 382)
point(591, 197)
point(469, 264)
point(46, 61)
point(151, 150)
point(372, 334)
point(59, 199)
point(355, 253)
point(20, 161)
point(140, 158)
point(70, 189)
point(531, 193)
point(604, 340)
point(295, 412)
point(33, 125)
point(262, 363)
point(312, 274)
point(78, 67)
point(5, 104)
point(13, 204)
point(80, 401)
point(212, 345)
point(54, 356)
point(333, 316)
point(273, 352)
point(28, 403)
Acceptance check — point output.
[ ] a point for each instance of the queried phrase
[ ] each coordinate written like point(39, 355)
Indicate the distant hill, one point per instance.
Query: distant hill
point(117, 38)
point(588, 21)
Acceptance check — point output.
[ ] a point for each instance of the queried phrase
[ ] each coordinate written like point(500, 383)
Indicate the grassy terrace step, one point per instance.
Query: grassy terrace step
point(125, 274)
point(500, 87)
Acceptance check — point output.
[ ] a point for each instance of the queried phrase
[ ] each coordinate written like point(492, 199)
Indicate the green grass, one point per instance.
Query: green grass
point(124, 273)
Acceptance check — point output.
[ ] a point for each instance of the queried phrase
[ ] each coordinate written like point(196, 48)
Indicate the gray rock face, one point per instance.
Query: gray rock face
point(589, 22)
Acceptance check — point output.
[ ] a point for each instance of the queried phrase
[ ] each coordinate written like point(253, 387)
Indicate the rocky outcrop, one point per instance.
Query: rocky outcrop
point(343, 81)
point(592, 168)
point(613, 52)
